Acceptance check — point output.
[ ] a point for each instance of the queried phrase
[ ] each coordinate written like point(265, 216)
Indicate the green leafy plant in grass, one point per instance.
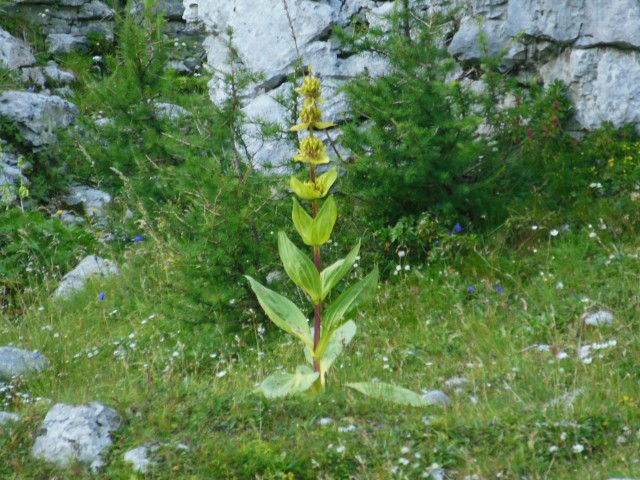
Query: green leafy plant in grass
point(332, 328)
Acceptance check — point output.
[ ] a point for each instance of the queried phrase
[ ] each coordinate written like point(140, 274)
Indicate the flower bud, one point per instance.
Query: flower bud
point(312, 150)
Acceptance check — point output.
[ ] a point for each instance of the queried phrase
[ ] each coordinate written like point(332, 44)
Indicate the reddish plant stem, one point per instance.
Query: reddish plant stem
point(317, 309)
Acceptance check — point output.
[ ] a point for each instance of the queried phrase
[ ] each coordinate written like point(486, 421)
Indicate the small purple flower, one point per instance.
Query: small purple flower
point(457, 228)
point(470, 289)
point(30, 89)
point(437, 243)
point(138, 239)
point(36, 355)
point(499, 288)
point(101, 296)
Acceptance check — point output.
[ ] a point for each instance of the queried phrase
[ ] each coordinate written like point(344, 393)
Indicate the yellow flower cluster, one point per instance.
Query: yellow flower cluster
point(311, 149)
point(311, 114)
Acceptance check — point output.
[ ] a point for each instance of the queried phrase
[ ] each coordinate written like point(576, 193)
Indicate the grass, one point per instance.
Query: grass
point(192, 384)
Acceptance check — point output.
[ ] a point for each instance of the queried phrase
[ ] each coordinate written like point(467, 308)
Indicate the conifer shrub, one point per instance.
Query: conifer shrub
point(413, 134)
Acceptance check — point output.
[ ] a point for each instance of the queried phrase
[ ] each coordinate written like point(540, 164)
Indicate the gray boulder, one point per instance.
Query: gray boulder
point(6, 417)
point(597, 319)
point(143, 457)
point(437, 397)
point(76, 434)
point(93, 201)
point(14, 53)
point(95, 10)
point(275, 152)
point(170, 111)
point(50, 75)
point(140, 458)
point(10, 174)
point(37, 116)
point(16, 361)
point(64, 42)
point(91, 266)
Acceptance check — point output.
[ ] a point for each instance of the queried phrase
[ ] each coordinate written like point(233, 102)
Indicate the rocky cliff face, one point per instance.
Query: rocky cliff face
point(78, 24)
point(591, 45)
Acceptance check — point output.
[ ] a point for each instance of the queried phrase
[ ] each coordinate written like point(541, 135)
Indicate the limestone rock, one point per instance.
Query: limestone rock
point(465, 44)
point(276, 152)
point(95, 10)
point(64, 42)
point(437, 397)
point(16, 361)
point(139, 457)
point(10, 174)
point(598, 318)
point(604, 84)
point(173, 9)
point(92, 200)
point(37, 116)
point(76, 433)
point(546, 19)
point(6, 417)
point(48, 76)
point(170, 111)
point(259, 25)
point(14, 53)
point(591, 45)
point(90, 266)
point(611, 23)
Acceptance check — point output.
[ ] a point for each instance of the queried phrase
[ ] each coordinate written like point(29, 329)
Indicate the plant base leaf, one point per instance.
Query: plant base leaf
point(390, 393)
point(281, 385)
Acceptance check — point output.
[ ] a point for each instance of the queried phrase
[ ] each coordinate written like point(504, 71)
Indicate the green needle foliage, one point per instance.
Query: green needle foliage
point(416, 151)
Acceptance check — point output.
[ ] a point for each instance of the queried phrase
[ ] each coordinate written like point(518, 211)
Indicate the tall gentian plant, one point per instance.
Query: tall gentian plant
point(332, 329)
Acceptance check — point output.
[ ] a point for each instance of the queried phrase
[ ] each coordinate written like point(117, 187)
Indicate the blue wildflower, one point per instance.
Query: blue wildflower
point(470, 289)
point(499, 288)
point(138, 239)
point(101, 296)
point(457, 228)
point(36, 355)
point(30, 89)
point(437, 243)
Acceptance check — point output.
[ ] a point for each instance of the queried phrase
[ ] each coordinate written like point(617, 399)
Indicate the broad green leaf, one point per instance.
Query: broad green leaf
point(300, 268)
point(338, 340)
point(284, 384)
point(323, 125)
point(331, 275)
point(299, 127)
point(352, 298)
point(314, 190)
point(315, 231)
point(302, 221)
point(282, 312)
point(389, 393)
